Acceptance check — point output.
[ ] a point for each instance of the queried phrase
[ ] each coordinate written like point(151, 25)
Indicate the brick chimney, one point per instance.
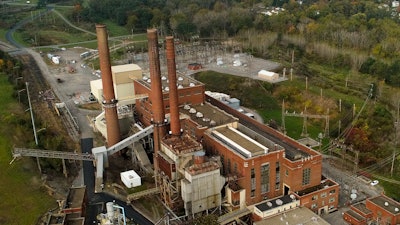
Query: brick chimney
point(156, 96)
point(109, 102)
point(173, 90)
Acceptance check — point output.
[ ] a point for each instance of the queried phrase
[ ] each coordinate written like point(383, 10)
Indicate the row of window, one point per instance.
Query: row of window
point(315, 205)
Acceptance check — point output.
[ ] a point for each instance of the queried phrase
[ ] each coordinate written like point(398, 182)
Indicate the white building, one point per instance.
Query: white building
point(131, 179)
point(268, 75)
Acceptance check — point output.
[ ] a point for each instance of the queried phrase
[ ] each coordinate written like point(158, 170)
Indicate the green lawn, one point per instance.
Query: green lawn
point(22, 199)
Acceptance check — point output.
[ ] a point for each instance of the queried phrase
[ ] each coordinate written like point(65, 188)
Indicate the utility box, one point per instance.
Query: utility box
point(131, 179)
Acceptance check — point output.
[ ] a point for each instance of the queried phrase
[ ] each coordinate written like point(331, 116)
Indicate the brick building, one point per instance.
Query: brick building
point(380, 209)
point(256, 162)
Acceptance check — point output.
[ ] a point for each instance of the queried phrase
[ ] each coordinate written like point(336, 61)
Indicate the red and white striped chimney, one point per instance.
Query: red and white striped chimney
point(109, 102)
point(173, 90)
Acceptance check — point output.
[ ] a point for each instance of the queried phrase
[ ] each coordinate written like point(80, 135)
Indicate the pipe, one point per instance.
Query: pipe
point(173, 90)
point(109, 102)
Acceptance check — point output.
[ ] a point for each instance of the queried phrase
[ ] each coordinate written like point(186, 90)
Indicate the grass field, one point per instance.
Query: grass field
point(23, 200)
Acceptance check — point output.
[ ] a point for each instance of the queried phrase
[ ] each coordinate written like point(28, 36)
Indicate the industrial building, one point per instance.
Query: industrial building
point(380, 209)
point(207, 154)
point(72, 210)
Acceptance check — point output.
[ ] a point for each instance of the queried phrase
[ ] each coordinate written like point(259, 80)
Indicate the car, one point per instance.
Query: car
point(375, 182)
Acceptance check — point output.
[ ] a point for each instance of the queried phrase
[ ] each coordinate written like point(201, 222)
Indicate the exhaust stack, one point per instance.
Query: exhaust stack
point(156, 91)
point(173, 91)
point(109, 102)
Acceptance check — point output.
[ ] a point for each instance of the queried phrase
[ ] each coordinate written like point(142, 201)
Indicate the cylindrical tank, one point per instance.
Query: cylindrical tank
point(110, 210)
point(198, 157)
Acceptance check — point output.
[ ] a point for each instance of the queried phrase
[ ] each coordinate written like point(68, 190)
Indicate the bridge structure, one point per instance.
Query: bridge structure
point(99, 154)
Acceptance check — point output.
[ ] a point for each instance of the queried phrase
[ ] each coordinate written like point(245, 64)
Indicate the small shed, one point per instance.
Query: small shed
point(131, 179)
point(195, 66)
point(268, 75)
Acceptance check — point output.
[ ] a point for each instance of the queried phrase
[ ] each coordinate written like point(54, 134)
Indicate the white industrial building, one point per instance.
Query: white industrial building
point(201, 188)
point(268, 75)
point(131, 179)
point(122, 76)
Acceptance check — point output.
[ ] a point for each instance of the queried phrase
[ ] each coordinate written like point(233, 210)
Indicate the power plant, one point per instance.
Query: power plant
point(207, 155)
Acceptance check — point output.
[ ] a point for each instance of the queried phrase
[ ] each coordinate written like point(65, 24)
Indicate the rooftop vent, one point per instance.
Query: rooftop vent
point(279, 202)
point(187, 107)
point(386, 204)
point(180, 78)
point(192, 110)
point(396, 209)
point(269, 204)
point(163, 78)
point(166, 88)
point(199, 115)
point(213, 123)
point(180, 86)
point(191, 85)
point(205, 119)
point(149, 80)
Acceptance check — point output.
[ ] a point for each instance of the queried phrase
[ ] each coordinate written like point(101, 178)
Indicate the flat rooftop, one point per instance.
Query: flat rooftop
point(265, 206)
point(210, 116)
point(238, 141)
point(202, 168)
point(296, 216)
point(361, 207)
point(56, 219)
point(293, 150)
point(355, 215)
point(125, 68)
point(75, 197)
point(386, 203)
point(327, 183)
point(182, 81)
point(182, 144)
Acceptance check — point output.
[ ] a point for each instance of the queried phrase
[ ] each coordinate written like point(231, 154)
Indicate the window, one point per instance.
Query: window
point(315, 197)
point(331, 192)
point(306, 176)
point(223, 163)
point(331, 200)
point(278, 176)
point(265, 178)
point(235, 168)
point(314, 205)
point(253, 182)
point(228, 166)
point(323, 195)
point(287, 172)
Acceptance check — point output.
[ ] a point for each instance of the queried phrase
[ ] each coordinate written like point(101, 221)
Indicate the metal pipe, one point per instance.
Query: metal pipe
point(109, 102)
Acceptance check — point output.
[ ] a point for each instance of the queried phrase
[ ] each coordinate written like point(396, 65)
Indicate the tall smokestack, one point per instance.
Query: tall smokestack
point(109, 102)
point(156, 95)
point(173, 90)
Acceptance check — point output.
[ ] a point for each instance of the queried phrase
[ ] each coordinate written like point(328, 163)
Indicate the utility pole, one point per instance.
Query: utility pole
point(306, 83)
point(30, 109)
point(396, 125)
point(33, 123)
